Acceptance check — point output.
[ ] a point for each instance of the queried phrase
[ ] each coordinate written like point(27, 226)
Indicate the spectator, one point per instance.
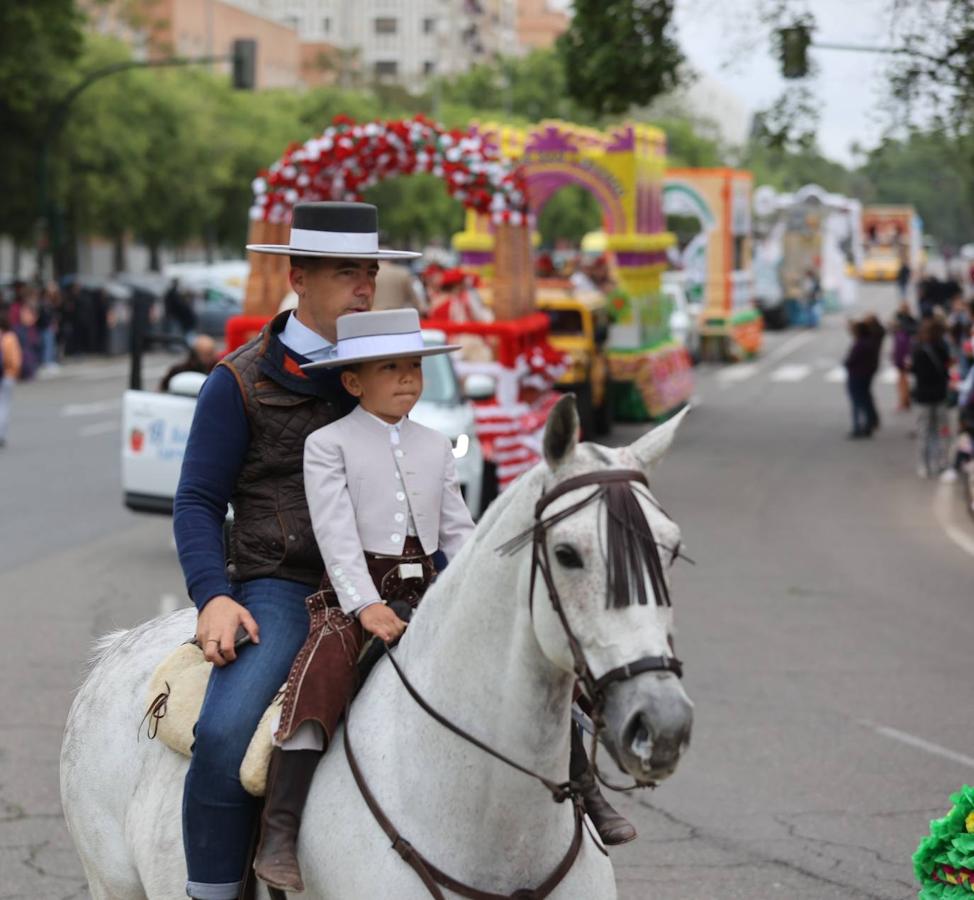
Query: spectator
point(930, 364)
point(858, 365)
point(48, 315)
point(10, 363)
point(394, 288)
point(178, 310)
point(202, 357)
point(959, 331)
point(903, 275)
point(29, 339)
point(876, 333)
point(904, 329)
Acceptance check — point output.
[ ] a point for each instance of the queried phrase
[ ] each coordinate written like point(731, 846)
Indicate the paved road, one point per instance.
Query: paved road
point(825, 628)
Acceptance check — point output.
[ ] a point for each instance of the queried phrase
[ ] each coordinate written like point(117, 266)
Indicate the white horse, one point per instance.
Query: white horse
point(479, 654)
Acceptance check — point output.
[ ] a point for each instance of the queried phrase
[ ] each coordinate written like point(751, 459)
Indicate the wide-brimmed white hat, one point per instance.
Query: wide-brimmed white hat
point(384, 334)
point(330, 229)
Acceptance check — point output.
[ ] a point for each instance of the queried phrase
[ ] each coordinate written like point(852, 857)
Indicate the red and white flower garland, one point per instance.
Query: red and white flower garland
point(350, 157)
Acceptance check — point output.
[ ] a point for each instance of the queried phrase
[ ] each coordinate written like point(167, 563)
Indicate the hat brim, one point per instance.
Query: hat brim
point(285, 250)
point(353, 360)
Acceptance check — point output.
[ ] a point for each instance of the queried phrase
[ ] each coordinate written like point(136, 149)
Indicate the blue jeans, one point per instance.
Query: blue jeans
point(864, 417)
point(219, 816)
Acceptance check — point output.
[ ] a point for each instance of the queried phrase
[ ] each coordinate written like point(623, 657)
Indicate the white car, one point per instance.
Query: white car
point(155, 428)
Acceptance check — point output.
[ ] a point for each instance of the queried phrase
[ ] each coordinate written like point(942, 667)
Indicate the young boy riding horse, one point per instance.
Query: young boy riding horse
point(246, 448)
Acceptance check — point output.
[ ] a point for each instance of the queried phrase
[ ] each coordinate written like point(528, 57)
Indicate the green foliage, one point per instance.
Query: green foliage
point(569, 215)
point(416, 210)
point(932, 171)
point(39, 42)
point(620, 53)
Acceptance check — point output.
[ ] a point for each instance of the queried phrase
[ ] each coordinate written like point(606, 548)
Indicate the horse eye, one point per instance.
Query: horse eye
point(568, 557)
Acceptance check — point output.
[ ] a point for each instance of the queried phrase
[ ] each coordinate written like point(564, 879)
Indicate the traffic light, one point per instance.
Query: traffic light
point(244, 64)
point(793, 45)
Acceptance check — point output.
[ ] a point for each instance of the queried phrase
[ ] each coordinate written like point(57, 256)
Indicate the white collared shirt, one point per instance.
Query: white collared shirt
point(298, 337)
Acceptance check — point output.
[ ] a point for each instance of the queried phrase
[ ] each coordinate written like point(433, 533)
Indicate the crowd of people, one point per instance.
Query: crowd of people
point(933, 353)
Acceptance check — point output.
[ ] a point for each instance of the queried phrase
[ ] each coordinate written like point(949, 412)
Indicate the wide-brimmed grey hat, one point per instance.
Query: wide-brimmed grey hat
point(384, 334)
point(331, 229)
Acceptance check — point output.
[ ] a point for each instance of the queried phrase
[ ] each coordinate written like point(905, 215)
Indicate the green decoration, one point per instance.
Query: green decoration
point(944, 861)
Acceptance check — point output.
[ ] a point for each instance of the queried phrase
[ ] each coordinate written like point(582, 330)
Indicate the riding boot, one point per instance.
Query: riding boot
point(611, 826)
point(288, 781)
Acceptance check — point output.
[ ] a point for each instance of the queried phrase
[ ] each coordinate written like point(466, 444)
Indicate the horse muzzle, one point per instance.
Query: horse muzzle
point(648, 719)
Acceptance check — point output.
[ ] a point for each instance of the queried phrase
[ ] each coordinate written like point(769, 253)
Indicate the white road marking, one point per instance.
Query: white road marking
point(791, 373)
point(836, 375)
point(99, 428)
point(920, 743)
point(738, 372)
point(168, 603)
point(889, 376)
point(788, 347)
point(943, 505)
point(91, 409)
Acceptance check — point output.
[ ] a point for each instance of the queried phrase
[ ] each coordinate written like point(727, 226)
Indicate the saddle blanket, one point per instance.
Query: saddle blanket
point(175, 698)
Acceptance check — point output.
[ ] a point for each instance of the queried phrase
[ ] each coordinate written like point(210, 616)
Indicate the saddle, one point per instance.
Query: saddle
point(175, 697)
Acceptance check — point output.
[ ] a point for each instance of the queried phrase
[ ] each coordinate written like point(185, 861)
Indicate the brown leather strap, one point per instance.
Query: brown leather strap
point(433, 877)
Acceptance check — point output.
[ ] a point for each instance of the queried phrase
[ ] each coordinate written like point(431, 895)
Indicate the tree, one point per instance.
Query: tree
point(620, 53)
point(39, 42)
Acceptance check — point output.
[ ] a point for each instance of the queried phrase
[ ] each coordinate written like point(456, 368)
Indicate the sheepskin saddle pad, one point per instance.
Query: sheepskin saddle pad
point(175, 698)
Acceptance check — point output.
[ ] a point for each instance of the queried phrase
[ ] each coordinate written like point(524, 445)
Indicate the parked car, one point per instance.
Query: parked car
point(155, 429)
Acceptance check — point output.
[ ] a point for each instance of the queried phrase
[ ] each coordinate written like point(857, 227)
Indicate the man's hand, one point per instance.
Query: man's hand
point(382, 622)
point(216, 629)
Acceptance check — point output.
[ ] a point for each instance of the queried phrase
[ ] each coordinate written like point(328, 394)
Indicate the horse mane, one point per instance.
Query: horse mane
point(103, 644)
point(632, 548)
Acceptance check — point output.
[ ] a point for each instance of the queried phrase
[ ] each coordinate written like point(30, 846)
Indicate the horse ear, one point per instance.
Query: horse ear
point(561, 431)
point(652, 446)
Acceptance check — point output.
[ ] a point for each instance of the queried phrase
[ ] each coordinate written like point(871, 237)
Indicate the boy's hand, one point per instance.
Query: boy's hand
point(381, 621)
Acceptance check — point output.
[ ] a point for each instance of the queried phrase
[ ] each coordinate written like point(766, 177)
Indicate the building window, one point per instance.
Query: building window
point(429, 67)
point(386, 68)
point(326, 26)
point(429, 26)
point(386, 25)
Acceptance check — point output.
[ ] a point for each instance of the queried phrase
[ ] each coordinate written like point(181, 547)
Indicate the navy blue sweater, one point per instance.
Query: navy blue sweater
point(215, 453)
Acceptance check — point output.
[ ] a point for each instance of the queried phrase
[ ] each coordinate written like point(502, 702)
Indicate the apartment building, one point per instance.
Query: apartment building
point(405, 41)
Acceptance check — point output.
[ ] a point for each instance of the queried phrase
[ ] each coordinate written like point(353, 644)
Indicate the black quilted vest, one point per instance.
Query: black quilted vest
point(271, 534)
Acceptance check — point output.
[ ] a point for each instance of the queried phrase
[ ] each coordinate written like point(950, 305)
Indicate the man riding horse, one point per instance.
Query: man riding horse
point(246, 450)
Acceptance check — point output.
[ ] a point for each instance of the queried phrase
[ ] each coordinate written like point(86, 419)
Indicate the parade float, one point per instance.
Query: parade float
point(716, 262)
point(502, 176)
point(891, 236)
point(649, 374)
point(808, 233)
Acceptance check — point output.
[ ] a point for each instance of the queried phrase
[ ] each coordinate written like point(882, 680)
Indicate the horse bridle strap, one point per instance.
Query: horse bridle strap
point(646, 664)
point(435, 878)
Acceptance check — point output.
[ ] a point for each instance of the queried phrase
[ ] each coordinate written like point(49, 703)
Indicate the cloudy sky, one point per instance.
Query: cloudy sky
point(725, 40)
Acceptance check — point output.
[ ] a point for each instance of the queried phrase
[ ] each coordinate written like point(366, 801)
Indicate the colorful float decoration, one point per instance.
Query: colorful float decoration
point(623, 169)
point(944, 861)
point(717, 261)
point(502, 175)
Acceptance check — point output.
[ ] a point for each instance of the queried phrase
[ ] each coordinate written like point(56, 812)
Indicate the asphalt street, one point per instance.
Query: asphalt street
point(825, 628)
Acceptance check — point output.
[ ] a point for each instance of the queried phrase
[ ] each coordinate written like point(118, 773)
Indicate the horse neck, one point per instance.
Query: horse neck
point(471, 652)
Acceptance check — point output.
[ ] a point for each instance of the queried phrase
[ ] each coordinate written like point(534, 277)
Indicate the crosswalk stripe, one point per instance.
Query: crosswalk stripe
point(738, 372)
point(889, 376)
point(836, 375)
point(791, 373)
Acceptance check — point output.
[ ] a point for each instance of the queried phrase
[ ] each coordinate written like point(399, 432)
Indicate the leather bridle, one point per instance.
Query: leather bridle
point(434, 878)
point(540, 562)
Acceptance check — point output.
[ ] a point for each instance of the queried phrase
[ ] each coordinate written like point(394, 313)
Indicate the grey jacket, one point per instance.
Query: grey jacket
point(361, 489)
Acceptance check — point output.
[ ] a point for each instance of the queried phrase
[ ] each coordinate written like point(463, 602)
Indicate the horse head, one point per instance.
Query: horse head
point(603, 546)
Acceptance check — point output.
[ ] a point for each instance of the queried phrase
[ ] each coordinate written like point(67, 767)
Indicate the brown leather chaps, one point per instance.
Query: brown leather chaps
point(325, 673)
